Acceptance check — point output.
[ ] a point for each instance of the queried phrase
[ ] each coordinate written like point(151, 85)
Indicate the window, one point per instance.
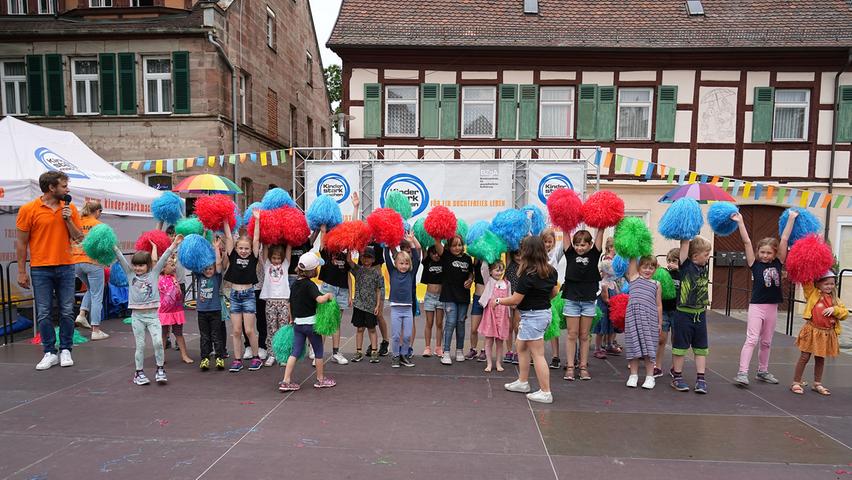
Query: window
point(844, 242)
point(142, 3)
point(17, 7)
point(557, 112)
point(84, 77)
point(294, 126)
point(323, 134)
point(401, 111)
point(45, 7)
point(160, 182)
point(478, 111)
point(13, 76)
point(791, 115)
point(244, 87)
point(272, 112)
point(309, 67)
point(248, 194)
point(100, 3)
point(634, 113)
point(311, 132)
point(270, 28)
point(158, 85)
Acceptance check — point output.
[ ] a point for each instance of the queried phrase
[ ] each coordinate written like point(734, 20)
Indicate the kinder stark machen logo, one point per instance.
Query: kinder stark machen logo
point(412, 187)
point(53, 161)
point(335, 186)
point(552, 182)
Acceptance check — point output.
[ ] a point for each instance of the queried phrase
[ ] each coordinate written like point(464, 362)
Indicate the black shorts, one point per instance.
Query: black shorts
point(689, 330)
point(362, 319)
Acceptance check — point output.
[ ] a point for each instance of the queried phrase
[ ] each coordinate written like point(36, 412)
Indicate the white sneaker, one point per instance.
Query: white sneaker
point(314, 362)
point(518, 386)
point(311, 353)
point(649, 382)
point(459, 356)
point(339, 359)
point(270, 361)
point(247, 354)
point(633, 381)
point(140, 378)
point(65, 359)
point(160, 377)
point(81, 321)
point(99, 335)
point(49, 360)
point(261, 352)
point(445, 359)
point(540, 397)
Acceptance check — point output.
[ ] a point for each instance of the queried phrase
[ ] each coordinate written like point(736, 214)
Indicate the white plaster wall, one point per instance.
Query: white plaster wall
point(600, 78)
point(674, 157)
point(755, 79)
point(841, 164)
point(683, 126)
point(644, 75)
point(446, 154)
point(714, 162)
point(437, 76)
point(826, 90)
point(637, 153)
point(363, 154)
point(546, 75)
point(685, 81)
point(478, 153)
point(360, 76)
point(753, 163)
point(747, 126)
point(402, 154)
point(402, 74)
point(717, 114)
point(356, 127)
point(721, 75)
point(479, 75)
point(790, 163)
point(795, 76)
point(824, 125)
point(518, 76)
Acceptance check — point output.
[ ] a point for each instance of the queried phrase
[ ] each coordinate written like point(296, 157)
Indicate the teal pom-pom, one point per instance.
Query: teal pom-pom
point(476, 230)
point(461, 228)
point(99, 244)
point(328, 318)
point(719, 218)
point(127, 321)
point(667, 285)
point(188, 226)
point(557, 303)
point(633, 239)
point(537, 220)
point(282, 344)
point(397, 201)
point(167, 208)
point(682, 220)
point(196, 253)
point(487, 247)
point(553, 330)
point(324, 211)
point(276, 198)
point(619, 266)
point(421, 235)
point(512, 225)
point(806, 224)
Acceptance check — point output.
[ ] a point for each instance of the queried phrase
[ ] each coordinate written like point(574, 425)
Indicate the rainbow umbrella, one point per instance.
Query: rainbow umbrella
point(701, 192)
point(207, 183)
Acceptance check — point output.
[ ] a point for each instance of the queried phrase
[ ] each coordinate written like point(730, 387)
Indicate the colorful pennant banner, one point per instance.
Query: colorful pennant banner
point(269, 158)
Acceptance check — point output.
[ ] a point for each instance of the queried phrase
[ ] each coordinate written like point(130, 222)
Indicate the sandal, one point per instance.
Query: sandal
point(797, 389)
point(569, 373)
point(820, 389)
point(584, 373)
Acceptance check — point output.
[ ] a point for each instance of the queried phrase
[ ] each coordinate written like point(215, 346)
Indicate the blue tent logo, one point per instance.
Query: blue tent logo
point(53, 161)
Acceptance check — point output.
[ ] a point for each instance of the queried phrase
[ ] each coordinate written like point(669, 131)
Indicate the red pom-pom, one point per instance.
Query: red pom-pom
point(351, 235)
point(603, 209)
point(564, 207)
point(213, 210)
point(387, 226)
point(159, 237)
point(618, 310)
point(809, 259)
point(285, 225)
point(440, 223)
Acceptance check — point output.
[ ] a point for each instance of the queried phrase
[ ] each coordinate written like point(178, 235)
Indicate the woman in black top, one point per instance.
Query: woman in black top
point(537, 284)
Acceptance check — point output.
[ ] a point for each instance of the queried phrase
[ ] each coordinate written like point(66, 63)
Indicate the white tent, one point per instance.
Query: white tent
point(29, 150)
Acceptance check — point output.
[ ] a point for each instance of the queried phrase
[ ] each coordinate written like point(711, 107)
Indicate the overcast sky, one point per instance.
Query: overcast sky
point(325, 13)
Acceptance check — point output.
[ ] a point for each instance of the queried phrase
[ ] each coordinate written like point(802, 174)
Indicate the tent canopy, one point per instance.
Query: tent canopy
point(29, 150)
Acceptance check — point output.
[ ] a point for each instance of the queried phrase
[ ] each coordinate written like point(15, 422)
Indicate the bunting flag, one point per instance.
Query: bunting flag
point(266, 158)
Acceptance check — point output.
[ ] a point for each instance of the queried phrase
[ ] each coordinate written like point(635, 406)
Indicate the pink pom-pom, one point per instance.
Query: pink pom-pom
point(159, 237)
point(565, 208)
point(809, 259)
point(387, 226)
point(351, 235)
point(213, 210)
point(603, 209)
point(440, 223)
point(618, 310)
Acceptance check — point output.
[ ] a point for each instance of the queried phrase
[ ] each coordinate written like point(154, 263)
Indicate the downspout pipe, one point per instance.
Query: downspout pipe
point(235, 142)
point(834, 140)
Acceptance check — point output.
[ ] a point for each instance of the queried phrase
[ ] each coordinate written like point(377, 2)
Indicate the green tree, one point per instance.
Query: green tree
point(333, 83)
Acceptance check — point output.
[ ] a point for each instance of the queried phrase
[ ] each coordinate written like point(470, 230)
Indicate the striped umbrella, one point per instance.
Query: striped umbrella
point(701, 192)
point(207, 183)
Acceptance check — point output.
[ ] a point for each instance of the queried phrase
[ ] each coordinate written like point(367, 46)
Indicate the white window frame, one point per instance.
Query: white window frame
point(806, 106)
point(45, 7)
point(569, 103)
point(309, 66)
point(649, 104)
point(17, 80)
point(480, 102)
point(843, 221)
point(415, 101)
point(159, 77)
point(100, 3)
point(270, 28)
point(243, 87)
point(16, 7)
point(87, 78)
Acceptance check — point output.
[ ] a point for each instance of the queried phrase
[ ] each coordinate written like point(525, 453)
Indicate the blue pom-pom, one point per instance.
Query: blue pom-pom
point(324, 211)
point(167, 208)
point(249, 212)
point(196, 253)
point(117, 277)
point(682, 220)
point(625, 288)
point(512, 225)
point(277, 198)
point(476, 231)
point(719, 218)
point(619, 266)
point(806, 224)
point(537, 220)
point(239, 219)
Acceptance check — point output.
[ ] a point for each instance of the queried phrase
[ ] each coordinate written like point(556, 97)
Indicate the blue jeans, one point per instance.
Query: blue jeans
point(402, 322)
point(454, 316)
point(93, 301)
point(243, 301)
point(49, 283)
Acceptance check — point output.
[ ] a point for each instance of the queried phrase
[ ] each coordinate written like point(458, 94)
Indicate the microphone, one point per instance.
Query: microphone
point(67, 199)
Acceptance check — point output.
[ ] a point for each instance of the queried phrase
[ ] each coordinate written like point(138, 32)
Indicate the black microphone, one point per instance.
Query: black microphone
point(67, 199)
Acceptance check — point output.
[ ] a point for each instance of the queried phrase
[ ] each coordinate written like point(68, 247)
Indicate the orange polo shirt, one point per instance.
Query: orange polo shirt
point(50, 244)
point(77, 253)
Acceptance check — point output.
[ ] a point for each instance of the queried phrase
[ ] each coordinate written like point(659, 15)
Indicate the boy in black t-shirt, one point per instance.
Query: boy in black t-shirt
point(334, 274)
point(689, 325)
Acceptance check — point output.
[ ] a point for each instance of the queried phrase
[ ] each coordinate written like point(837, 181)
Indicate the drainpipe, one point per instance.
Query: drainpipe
point(834, 140)
point(234, 113)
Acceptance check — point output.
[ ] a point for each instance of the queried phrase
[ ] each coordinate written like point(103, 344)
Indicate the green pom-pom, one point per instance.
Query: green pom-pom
point(461, 227)
point(556, 304)
point(78, 337)
point(99, 244)
point(488, 247)
point(282, 344)
point(399, 202)
point(188, 226)
point(424, 238)
point(633, 239)
point(328, 318)
point(598, 315)
point(553, 330)
point(127, 321)
point(666, 283)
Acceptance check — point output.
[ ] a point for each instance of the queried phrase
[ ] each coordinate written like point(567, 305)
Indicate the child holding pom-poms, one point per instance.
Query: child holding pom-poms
point(209, 311)
point(275, 291)
point(555, 253)
point(689, 326)
point(608, 288)
point(580, 292)
point(367, 301)
point(171, 306)
point(669, 306)
point(431, 277)
point(402, 271)
point(455, 293)
point(643, 321)
point(242, 273)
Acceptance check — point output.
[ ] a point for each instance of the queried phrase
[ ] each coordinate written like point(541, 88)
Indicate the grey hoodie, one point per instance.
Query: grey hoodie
point(143, 290)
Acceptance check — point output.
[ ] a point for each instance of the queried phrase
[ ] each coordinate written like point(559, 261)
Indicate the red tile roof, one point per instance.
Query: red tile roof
point(593, 24)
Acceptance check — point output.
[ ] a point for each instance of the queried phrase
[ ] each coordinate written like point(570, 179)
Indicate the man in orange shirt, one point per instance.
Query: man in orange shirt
point(46, 226)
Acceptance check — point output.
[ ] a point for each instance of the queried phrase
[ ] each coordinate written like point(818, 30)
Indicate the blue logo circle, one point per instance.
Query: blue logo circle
point(552, 182)
point(412, 187)
point(335, 186)
point(53, 161)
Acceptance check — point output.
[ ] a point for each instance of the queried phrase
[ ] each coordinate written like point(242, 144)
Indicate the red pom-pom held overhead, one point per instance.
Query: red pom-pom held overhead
point(618, 310)
point(213, 210)
point(440, 223)
point(387, 226)
point(809, 259)
point(564, 207)
point(603, 209)
point(284, 225)
point(159, 237)
point(351, 235)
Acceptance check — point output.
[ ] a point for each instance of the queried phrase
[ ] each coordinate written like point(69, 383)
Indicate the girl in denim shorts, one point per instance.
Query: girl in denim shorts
point(242, 273)
point(580, 291)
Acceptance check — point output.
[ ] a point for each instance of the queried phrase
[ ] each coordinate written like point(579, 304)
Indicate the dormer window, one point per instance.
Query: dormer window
point(531, 6)
point(100, 3)
point(694, 8)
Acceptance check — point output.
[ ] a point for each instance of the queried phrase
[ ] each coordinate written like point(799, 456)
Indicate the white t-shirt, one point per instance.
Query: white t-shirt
point(276, 284)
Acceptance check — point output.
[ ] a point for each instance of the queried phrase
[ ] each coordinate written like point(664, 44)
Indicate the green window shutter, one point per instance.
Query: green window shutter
point(372, 110)
point(508, 112)
point(55, 85)
point(528, 112)
point(587, 105)
point(761, 122)
point(605, 120)
point(127, 83)
point(180, 82)
point(35, 85)
point(666, 112)
point(108, 87)
point(429, 121)
point(844, 113)
point(449, 111)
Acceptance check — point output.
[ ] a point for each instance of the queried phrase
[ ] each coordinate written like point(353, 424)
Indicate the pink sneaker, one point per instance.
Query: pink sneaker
point(439, 352)
point(427, 352)
point(326, 382)
point(601, 354)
